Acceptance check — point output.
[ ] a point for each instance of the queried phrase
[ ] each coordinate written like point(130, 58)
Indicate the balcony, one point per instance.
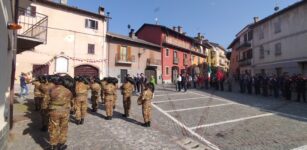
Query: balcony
point(176, 60)
point(124, 60)
point(245, 62)
point(33, 31)
point(244, 45)
point(153, 62)
point(185, 62)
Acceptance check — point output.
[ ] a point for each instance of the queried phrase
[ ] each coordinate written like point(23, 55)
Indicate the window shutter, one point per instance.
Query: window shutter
point(96, 25)
point(129, 53)
point(86, 23)
point(118, 53)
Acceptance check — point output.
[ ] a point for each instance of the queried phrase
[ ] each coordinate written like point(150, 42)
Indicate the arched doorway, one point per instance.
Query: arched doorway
point(151, 71)
point(175, 71)
point(86, 70)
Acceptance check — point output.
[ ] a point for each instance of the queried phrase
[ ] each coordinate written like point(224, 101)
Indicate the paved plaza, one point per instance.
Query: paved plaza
point(209, 119)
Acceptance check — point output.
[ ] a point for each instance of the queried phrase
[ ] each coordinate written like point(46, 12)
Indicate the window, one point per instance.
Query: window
point(30, 11)
point(245, 37)
point(261, 52)
point(123, 53)
point(175, 54)
point(61, 65)
point(167, 71)
point(261, 32)
point(278, 49)
point(91, 49)
point(277, 25)
point(250, 35)
point(92, 24)
point(167, 52)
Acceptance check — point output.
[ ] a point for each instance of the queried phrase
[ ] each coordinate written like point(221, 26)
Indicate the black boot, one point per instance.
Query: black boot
point(78, 122)
point(124, 115)
point(62, 146)
point(53, 147)
point(72, 112)
point(94, 110)
point(145, 124)
point(148, 123)
point(82, 121)
point(108, 118)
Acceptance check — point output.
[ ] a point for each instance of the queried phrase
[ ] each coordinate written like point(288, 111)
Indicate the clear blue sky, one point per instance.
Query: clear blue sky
point(218, 20)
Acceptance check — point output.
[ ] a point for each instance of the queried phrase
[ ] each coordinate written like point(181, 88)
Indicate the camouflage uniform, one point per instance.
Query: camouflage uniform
point(115, 96)
point(127, 89)
point(45, 89)
point(109, 96)
point(145, 100)
point(38, 96)
point(59, 107)
point(103, 84)
point(96, 89)
point(81, 100)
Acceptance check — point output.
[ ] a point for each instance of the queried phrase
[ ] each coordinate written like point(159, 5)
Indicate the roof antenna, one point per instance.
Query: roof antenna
point(276, 8)
point(156, 19)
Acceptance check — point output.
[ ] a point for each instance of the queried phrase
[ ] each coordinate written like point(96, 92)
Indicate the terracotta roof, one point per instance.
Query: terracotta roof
point(134, 40)
point(217, 45)
point(233, 42)
point(295, 5)
point(70, 8)
point(169, 30)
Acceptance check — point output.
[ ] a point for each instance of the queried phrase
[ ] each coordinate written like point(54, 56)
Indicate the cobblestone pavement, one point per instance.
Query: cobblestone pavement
point(218, 120)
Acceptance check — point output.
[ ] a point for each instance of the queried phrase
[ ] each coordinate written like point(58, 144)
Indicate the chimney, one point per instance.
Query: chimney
point(175, 28)
point(180, 29)
point(64, 2)
point(132, 34)
point(256, 19)
point(101, 10)
point(198, 35)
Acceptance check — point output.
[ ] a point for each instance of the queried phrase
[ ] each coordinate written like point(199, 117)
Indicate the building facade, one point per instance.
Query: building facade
point(280, 41)
point(178, 51)
point(76, 46)
point(218, 57)
point(234, 68)
point(130, 55)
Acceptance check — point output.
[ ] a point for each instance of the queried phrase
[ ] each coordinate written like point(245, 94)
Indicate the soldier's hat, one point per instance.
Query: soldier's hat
point(129, 79)
point(85, 79)
point(112, 80)
point(150, 86)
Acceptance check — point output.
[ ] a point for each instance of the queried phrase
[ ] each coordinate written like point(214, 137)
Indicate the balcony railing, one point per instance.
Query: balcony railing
point(34, 29)
point(153, 62)
point(245, 62)
point(176, 60)
point(124, 59)
point(244, 45)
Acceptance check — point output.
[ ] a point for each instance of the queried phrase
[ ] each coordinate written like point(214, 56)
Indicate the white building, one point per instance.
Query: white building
point(74, 43)
point(280, 41)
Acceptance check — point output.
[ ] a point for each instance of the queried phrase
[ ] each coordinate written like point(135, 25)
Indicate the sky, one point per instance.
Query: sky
point(218, 20)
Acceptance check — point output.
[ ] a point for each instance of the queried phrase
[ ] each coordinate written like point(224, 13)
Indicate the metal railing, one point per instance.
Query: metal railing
point(245, 62)
point(152, 61)
point(33, 24)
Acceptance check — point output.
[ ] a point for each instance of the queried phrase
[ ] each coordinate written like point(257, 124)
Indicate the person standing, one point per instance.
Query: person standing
point(23, 86)
point(127, 89)
point(143, 81)
point(256, 82)
point(59, 106)
point(96, 89)
point(301, 88)
point(229, 82)
point(45, 87)
point(145, 100)
point(82, 88)
point(137, 80)
point(184, 82)
point(178, 80)
point(38, 97)
point(103, 84)
point(109, 96)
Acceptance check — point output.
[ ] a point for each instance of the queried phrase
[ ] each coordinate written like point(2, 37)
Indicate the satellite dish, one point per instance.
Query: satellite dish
point(129, 26)
point(276, 8)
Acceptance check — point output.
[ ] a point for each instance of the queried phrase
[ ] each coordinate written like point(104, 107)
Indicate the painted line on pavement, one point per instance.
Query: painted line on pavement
point(175, 100)
point(232, 121)
point(214, 147)
point(300, 148)
point(193, 108)
point(217, 98)
point(174, 94)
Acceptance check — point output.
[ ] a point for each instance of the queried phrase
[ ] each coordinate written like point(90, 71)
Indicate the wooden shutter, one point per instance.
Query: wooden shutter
point(129, 53)
point(118, 53)
point(96, 25)
point(86, 23)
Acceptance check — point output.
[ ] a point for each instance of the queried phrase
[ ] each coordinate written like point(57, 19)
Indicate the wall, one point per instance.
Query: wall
point(67, 36)
point(234, 65)
point(139, 65)
point(6, 57)
point(293, 37)
point(151, 34)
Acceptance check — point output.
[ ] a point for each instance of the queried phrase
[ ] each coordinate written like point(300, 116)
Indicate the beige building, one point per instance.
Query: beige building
point(279, 42)
point(218, 56)
point(74, 42)
point(130, 55)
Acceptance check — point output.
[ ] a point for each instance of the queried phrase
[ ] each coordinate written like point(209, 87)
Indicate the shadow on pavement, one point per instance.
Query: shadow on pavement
point(33, 129)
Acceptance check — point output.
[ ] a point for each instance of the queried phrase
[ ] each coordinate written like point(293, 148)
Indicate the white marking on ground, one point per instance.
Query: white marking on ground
point(232, 121)
point(175, 100)
point(301, 148)
point(193, 108)
point(186, 128)
point(174, 94)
